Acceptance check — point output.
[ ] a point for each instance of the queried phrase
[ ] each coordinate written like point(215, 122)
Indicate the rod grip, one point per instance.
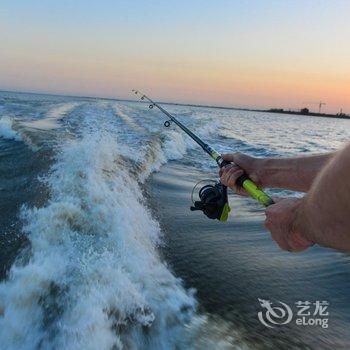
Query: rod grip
point(251, 188)
point(254, 191)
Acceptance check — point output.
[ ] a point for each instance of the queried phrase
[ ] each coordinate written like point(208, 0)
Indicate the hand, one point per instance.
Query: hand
point(281, 222)
point(241, 164)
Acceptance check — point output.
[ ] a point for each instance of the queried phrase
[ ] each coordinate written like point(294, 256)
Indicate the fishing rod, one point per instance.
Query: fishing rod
point(213, 198)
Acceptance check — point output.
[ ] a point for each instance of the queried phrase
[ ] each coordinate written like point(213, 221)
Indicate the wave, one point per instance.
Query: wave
point(160, 147)
point(6, 129)
point(92, 277)
point(52, 116)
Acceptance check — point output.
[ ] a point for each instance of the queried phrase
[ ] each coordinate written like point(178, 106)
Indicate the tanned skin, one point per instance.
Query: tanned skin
point(322, 216)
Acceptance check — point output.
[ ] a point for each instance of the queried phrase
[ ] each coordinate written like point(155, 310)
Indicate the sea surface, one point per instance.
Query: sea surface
point(98, 248)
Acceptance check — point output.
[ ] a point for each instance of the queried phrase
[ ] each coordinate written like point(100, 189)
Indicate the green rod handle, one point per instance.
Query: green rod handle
point(254, 191)
point(245, 182)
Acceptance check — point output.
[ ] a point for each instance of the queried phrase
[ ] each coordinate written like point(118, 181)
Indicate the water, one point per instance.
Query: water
point(99, 250)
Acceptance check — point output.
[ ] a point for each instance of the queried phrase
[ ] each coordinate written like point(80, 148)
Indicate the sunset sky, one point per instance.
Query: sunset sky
point(257, 54)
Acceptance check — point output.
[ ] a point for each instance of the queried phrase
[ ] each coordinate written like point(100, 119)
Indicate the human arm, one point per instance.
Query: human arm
point(295, 173)
point(322, 216)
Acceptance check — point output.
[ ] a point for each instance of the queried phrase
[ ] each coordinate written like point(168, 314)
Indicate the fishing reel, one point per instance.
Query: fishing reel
point(212, 200)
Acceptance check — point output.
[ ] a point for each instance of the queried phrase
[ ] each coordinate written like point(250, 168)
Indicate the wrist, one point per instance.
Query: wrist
point(301, 226)
point(272, 173)
point(261, 166)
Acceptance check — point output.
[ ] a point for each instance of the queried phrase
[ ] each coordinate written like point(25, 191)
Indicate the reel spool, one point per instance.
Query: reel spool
point(212, 200)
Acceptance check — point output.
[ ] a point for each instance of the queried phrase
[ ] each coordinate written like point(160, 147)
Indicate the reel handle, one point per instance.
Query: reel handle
point(254, 191)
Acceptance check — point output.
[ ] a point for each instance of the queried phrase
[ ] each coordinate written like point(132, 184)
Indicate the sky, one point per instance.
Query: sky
point(257, 54)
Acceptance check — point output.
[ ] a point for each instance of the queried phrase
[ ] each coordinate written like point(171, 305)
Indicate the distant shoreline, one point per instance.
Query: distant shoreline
point(271, 110)
point(313, 114)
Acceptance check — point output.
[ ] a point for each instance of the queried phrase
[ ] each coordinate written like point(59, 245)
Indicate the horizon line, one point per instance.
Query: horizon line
point(163, 102)
point(128, 100)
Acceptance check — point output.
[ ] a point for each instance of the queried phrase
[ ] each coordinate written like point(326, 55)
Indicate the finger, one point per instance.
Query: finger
point(231, 182)
point(298, 243)
point(236, 157)
point(283, 245)
point(228, 173)
point(223, 171)
point(233, 176)
point(228, 157)
point(224, 178)
point(229, 166)
point(232, 170)
point(276, 233)
point(232, 157)
point(280, 240)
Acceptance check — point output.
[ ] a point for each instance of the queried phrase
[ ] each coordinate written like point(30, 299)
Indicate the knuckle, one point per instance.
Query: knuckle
point(268, 224)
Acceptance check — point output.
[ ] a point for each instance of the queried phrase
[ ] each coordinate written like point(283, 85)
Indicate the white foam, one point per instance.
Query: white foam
point(120, 112)
point(157, 150)
point(62, 109)
point(51, 119)
point(6, 129)
point(174, 146)
point(94, 279)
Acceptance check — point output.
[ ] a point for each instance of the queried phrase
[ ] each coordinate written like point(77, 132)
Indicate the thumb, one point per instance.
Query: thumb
point(238, 158)
point(228, 157)
point(231, 157)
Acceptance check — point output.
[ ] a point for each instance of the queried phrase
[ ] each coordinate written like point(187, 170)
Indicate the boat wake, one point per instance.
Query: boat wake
point(92, 277)
point(6, 129)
